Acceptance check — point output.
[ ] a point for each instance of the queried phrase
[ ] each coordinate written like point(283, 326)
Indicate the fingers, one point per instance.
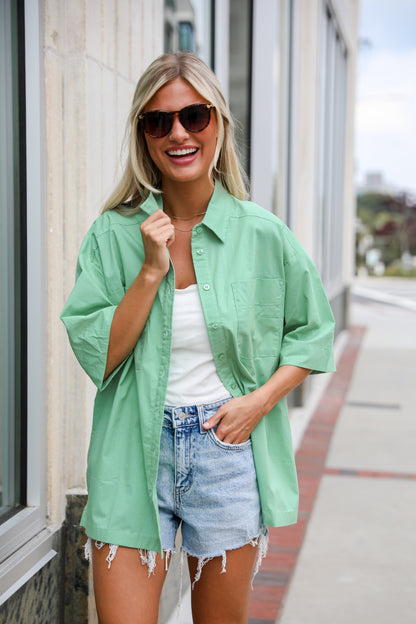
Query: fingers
point(158, 228)
point(157, 233)
point(230, 429)
point(236, 420)
point(214, 420)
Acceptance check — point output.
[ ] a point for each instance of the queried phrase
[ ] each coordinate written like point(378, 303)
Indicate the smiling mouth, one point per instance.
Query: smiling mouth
point(182, 152)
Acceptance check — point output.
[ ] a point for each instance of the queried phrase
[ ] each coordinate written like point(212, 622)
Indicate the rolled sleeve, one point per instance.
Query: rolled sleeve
point(88, 314)
point(309, 323)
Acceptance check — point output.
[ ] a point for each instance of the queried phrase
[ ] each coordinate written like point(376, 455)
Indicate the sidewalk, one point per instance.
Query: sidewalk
point(351, 558)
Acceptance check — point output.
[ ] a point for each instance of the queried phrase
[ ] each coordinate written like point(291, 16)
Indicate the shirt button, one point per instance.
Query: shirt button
point(214, 326)
point(233, 386)
point(206, 286)
point(198, 230)
point(221, 356)
point(166, 333)
point(199, 252)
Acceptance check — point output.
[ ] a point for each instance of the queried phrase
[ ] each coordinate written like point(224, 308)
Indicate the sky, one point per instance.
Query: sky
point(386, 93)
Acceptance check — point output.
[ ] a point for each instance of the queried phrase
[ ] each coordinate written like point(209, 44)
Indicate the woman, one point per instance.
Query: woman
point(194, 312)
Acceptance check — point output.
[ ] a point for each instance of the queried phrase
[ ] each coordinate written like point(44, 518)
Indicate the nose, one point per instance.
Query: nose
point(178, 132)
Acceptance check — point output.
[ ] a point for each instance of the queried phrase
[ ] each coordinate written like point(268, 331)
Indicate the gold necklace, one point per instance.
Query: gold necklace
point(200, 214)
point(179, 230)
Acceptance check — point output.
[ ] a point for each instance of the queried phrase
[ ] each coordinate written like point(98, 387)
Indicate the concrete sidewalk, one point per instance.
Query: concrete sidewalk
point(357, 562)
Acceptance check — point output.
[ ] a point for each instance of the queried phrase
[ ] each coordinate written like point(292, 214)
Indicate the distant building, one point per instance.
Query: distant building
point(67, 75)
point(374, 182)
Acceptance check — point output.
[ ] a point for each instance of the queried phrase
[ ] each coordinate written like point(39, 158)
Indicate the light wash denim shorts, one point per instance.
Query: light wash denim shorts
point(205, 486)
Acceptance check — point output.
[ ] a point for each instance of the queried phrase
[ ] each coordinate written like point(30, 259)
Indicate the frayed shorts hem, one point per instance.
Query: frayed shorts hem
point(148, 557)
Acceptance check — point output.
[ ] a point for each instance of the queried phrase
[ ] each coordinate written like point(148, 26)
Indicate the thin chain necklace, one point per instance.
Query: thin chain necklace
point(179, 229)
point(200, 214)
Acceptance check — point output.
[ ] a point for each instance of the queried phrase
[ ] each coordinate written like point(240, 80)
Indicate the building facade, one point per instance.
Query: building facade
point(68, 69)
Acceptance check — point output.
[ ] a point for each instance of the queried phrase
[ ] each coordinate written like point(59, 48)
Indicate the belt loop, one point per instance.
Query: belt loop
point(171, 416)
point(201, 418)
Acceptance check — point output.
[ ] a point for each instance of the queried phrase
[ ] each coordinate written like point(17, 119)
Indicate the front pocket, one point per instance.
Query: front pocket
point(225, 445)
point(259, 309)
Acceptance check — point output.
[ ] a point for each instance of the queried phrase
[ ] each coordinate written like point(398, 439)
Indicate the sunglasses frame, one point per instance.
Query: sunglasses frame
point(172, 114)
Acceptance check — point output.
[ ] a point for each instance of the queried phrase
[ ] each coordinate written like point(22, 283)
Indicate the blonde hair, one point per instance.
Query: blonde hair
point(141, 176)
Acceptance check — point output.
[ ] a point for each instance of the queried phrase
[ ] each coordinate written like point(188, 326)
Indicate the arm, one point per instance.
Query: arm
point(133, 310)
point(240, 415)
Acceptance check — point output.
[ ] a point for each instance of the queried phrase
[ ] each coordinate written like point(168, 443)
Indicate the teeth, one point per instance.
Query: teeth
point(182, 152)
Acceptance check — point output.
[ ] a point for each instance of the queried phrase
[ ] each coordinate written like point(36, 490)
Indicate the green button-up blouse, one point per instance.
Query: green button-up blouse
point(264, 306)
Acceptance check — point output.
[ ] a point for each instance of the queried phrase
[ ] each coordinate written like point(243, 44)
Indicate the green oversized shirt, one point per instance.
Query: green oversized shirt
point(264, 306)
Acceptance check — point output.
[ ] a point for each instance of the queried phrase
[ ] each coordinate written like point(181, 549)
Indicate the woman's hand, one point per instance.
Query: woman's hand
point(237, 419)
point(158, 234)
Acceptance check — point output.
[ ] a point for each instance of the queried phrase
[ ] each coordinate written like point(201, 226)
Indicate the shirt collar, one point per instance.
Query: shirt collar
point(216, 217)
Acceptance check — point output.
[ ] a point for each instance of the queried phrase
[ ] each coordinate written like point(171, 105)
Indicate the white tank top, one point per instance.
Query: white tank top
point(193, 378)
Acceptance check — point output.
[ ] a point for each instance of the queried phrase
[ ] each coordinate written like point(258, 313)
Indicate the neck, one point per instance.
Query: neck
point(186, 200)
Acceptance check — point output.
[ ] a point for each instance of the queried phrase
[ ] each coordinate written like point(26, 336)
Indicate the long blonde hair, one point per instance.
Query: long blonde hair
point(141, 176)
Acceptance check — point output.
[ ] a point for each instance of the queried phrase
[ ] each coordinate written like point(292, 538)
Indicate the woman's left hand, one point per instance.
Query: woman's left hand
point(236, 419)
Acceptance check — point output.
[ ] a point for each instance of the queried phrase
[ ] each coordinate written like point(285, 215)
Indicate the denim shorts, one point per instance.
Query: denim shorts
point(208, 485)
point(205, 486)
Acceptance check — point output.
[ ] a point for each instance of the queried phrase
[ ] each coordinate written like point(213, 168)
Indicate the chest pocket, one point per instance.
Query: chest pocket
point(259, 311)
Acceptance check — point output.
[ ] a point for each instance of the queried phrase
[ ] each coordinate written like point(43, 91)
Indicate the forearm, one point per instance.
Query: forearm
point(130, 317)
point(283, 381)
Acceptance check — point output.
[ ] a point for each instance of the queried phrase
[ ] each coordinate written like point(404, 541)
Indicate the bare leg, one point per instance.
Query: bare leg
point(125, 594)
point(223, 598)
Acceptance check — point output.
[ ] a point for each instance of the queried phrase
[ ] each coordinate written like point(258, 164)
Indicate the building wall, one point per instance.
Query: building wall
point(92, 52)
point(307, 74)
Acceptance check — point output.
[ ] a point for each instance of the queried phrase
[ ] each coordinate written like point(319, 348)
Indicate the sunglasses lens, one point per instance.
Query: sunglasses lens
point(157, 123)
point(195, 118)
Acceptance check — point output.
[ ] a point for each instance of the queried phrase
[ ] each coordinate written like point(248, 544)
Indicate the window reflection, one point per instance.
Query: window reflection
point(240, 74)
point(188, 27)
point(11, 265)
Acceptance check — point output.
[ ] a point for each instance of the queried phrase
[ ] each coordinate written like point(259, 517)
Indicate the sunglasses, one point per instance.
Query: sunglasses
point(194, 118)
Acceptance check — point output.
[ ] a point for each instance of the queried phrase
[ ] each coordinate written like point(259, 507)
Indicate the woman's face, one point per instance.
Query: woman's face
point(181, 156)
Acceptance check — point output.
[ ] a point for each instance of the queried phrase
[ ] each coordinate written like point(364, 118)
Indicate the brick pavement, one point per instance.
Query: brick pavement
point(273, 580)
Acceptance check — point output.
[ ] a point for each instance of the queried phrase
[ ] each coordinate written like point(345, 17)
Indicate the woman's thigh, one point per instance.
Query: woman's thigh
point(222, 598)
point(125, 592)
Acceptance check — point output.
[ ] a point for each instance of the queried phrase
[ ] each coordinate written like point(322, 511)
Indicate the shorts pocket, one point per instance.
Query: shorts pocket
point(226, 445)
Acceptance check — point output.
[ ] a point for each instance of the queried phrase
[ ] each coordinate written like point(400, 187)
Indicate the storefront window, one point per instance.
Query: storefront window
point(240, 74)
point(329, 225)
point(189, 27)
point(12, 227)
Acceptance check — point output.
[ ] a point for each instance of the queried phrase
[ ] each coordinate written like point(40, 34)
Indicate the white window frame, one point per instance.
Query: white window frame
point(25, 541)
point(270, 106)
point(331, 151)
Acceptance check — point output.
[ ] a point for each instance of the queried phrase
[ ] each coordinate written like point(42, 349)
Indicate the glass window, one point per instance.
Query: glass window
point(12, 227)
point(189, 26)
point(329, 232)
point(240, 74)
point(186, 36)
point(270, 106)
